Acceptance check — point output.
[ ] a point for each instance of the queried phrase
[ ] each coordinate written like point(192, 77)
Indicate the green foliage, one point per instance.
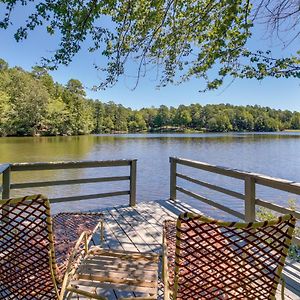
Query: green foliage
point(109, 125)
point(137, 123)
point(29, 99)
point(243, 120)
point(183, 38)
point(182, 116)
point(75, 87)
point(31, 103)
point(265, 123)
point(6, 114)
point(57, 118)
point(3, 65)
point(219, 123)
point(264, 214)
point(162, 117)
point(295, 121)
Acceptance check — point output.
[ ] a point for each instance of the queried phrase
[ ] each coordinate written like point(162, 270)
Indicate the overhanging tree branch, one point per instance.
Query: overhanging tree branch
point(183, 38)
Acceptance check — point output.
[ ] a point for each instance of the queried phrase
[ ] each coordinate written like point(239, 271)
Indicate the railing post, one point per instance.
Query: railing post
point(132, 196)
point(250, 199)
point(173, 167)
point(6, 183)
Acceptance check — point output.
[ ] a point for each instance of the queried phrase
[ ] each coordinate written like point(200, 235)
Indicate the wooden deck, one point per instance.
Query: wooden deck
point(139, 228)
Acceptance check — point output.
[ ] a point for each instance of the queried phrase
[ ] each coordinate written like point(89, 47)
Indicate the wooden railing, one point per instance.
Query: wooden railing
point(5, 188)
point(249, 195)
point(7, 185)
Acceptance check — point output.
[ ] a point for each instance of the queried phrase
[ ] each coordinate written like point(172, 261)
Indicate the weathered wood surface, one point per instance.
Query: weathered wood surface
point(139, 229)
point(276, 183)
point(212, 186)
point(251, 180)
point(132, 197)
point(5, 189)
point(276, 207)
point(119, 270)
point(210, 202)
point(66, 182)
point(90, 196)
point(3, 167)
point(34, 166)
point(66, 165)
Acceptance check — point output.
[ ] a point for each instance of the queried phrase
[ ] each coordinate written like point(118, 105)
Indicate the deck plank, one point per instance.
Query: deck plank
point(150, 229)
point(291, 274)
point(126, 236)
point(111, 241)
point(139, 229)
point(133, 235)
point(118, 232)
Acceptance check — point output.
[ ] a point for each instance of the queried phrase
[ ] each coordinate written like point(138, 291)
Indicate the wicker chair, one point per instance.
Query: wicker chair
point(37, 253)
point(209, 259)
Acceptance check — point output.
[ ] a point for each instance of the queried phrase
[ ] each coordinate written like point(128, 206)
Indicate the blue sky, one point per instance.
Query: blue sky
point(276, 93)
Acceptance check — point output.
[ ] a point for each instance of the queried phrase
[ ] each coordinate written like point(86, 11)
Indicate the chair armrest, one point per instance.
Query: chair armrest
point(165, 265)
point(73, 259)
point(102, 229)
point(165, 275)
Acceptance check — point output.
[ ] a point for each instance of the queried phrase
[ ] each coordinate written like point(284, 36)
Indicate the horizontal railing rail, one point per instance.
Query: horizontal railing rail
point(66, 182)
point(69, 165)
point(249, 196)
point(7, 169)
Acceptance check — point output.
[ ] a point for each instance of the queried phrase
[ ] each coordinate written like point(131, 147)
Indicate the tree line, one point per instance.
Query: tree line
point(31, 103)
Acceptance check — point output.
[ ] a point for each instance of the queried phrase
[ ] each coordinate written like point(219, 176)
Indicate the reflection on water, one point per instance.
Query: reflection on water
point(275, 154)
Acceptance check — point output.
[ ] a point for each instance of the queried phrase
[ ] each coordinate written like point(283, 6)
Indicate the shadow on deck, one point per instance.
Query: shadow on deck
point(139, 228)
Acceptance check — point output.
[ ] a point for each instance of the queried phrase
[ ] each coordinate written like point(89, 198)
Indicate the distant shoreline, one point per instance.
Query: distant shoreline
point(292, 130)
point(163, 131)
point(36, 105)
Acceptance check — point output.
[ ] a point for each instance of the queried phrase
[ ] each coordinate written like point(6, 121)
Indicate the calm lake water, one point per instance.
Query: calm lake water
point(275, 154)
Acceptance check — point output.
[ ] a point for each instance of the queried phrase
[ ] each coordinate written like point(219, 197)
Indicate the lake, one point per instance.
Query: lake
point(274, 154)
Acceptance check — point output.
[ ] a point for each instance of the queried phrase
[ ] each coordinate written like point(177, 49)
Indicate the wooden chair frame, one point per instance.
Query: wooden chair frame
point(121, 254)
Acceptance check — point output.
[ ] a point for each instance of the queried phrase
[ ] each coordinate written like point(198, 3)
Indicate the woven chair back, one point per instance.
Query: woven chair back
point(67, 228)
point(221, 260)
point(25, 242)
